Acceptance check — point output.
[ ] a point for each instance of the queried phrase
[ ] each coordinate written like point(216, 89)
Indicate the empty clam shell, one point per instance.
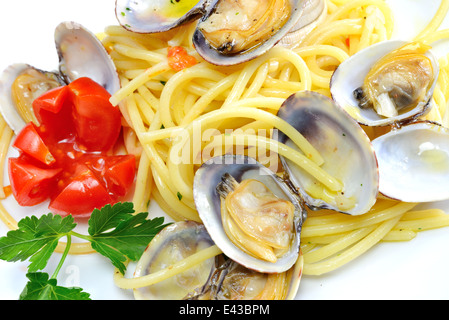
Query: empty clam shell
point(414, 162)
point(347, 152)
point(143, 16)
point(81, 54)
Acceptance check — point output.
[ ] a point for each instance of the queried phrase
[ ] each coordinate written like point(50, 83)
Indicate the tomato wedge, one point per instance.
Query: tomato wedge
point(119, 173)
point(97, 121)
point(81, 196)
point(51, 101)
point(67, 158)
point(30, 142)
point(30, 184)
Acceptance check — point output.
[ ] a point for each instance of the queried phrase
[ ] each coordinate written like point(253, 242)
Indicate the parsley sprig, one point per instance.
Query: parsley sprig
point(113, 231)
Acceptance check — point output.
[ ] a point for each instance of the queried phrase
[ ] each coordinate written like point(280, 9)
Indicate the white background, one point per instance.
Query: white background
point(412, 270)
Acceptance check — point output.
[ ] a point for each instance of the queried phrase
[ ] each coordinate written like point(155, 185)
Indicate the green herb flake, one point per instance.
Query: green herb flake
point(179, 196)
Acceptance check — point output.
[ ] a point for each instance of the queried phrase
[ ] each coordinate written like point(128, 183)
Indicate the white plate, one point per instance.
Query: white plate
point(411, 270)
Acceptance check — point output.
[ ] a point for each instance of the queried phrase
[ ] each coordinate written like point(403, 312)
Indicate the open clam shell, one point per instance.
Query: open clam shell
point(347, 152)
point(351, 73)
point(81, 54)
point(144, 16)
point(414, 162)
point(174, 243)
point(208, 204)
point(214, 56)
point(44, 81)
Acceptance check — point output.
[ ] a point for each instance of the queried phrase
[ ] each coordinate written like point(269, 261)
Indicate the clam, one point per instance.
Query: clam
point(233, 32)
point(172, 244)
point(250, 213)
point(20, 84)
point(143, 16)
point(347, 152)
point(389, 82)
point(81, 54)
point(414, 162)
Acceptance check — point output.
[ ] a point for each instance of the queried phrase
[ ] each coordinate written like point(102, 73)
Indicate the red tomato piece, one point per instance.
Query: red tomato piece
point(81, 196)
point(97, 122)
point(51, 101)
point(179, 59)
point(30, 184)
point(30, 142)
point(119, 173)
point(55, 120)
point(66, 159)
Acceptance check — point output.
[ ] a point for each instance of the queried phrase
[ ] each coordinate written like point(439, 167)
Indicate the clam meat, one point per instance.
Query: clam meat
point(255, 219)
point(397, 81)
point(238, 26)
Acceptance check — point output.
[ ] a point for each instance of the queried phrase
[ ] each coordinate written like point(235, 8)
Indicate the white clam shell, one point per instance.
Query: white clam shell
point(315, 12)
point(414, 162)
point(81, 54)
point(347, 151)
point(207, 202)
point(351, 73)
point(143, 16)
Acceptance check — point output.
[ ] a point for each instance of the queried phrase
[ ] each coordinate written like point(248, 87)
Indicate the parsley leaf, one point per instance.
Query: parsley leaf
point(35, 239)
point(40, 287)
point(115, 231)
point(128, 235)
